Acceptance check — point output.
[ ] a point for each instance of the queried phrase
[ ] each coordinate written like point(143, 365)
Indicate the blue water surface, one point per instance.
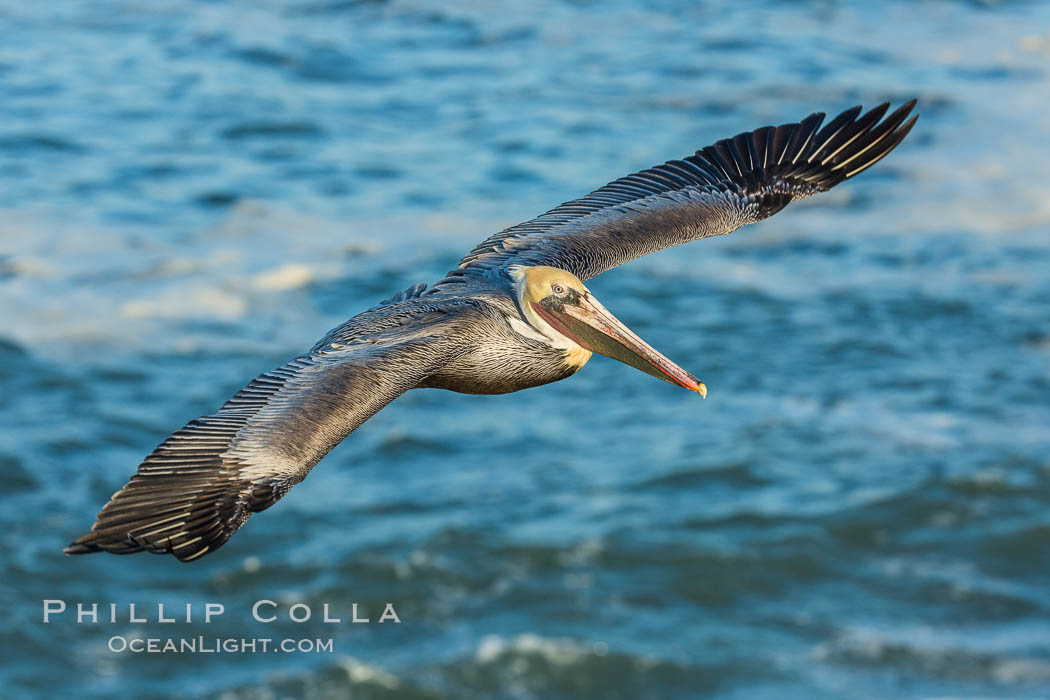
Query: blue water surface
point(193, 192)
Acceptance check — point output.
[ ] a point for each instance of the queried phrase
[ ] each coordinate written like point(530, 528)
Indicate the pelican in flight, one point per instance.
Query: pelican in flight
point(514, 314)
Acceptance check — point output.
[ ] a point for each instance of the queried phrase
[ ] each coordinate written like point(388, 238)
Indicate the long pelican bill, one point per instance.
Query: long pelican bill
point(590, 325)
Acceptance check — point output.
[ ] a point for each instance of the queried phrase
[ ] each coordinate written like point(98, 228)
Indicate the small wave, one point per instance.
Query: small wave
point(361, 673)
point(290, 129)
point(731, 474)
point(561, 651)
point(924, 655)
point(29, 143)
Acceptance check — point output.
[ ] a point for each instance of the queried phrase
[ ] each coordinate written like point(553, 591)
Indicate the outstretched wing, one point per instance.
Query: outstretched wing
point(717, 190)
point(203, 482)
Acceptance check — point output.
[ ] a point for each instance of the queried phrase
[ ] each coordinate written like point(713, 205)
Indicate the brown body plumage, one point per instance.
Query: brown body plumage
point(514, 314)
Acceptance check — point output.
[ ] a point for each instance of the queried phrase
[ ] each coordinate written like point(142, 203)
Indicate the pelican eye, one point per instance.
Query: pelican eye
point(558, 289)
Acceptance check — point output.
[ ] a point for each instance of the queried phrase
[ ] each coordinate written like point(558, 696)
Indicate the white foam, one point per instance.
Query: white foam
point(360, 672)
point(560, 650)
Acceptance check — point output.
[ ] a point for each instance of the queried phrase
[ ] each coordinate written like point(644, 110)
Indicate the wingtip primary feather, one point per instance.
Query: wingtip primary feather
point(900, 134)
point(76, 547)
point(812, 157)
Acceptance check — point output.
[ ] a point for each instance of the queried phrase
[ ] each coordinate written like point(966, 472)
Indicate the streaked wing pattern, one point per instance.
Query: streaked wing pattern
point(717, 190)
point(206, 479)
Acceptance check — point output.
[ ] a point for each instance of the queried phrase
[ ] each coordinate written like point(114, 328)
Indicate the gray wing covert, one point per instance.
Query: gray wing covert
point(717, 190)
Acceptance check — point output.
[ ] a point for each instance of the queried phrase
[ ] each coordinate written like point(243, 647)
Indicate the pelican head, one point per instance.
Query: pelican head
point(559, 307)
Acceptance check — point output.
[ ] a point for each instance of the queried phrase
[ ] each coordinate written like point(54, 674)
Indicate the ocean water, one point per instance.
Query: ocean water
point(193, 192)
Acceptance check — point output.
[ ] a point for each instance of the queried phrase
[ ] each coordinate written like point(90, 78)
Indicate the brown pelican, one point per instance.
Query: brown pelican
point(514, 314)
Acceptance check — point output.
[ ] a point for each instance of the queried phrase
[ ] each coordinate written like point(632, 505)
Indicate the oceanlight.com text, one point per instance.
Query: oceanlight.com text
point(218, 645)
